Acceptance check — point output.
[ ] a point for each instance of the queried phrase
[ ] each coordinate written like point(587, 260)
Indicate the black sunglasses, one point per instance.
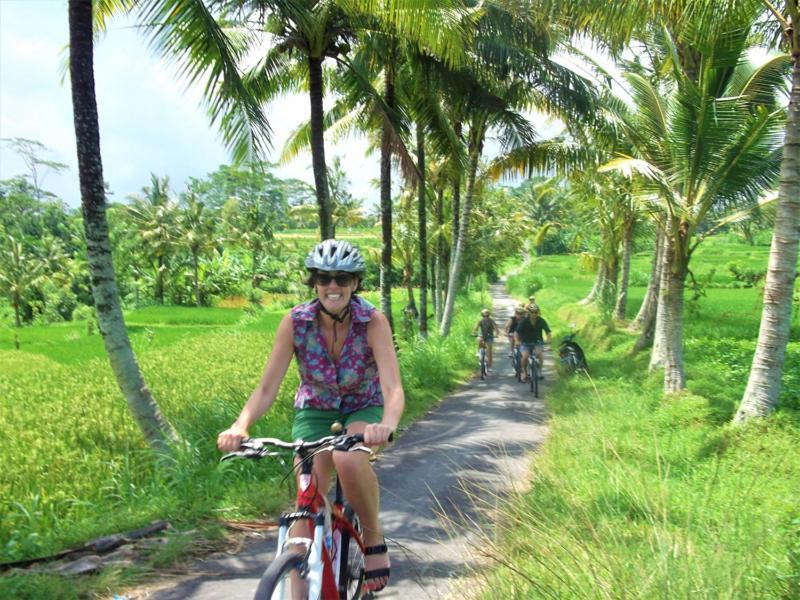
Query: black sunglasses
point(342, 279)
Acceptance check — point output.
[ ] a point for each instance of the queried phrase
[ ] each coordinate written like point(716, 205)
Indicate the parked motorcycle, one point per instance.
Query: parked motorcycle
point(572, 355)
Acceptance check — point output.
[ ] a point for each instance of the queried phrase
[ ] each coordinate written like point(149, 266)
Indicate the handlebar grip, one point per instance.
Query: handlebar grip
point(359, 437)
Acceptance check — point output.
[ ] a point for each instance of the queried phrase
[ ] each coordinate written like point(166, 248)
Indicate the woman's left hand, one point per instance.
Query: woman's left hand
point(376, 434)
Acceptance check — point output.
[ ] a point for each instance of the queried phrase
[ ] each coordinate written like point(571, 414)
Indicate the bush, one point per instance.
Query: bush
point(748, 276)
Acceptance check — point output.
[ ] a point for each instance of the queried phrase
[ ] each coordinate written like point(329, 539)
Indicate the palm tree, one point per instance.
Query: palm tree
point(704, 140)
point(616, 22)
point(19, 273)
point(196, 231)
point(155, 428)
point(512, 71)
point(154, 216)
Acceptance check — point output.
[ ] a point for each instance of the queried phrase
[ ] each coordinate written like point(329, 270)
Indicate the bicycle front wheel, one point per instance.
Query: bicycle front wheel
point(284, 579)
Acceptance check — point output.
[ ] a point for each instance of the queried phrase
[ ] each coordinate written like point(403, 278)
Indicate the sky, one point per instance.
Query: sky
point(149, 120)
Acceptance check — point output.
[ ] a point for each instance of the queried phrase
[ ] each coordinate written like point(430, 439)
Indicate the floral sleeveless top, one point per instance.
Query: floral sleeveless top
point(348, 385)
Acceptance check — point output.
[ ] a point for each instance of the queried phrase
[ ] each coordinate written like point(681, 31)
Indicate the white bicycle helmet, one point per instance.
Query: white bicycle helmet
point(335, 255)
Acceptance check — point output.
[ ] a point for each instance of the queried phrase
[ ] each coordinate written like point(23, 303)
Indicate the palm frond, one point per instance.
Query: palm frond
point(186, 32)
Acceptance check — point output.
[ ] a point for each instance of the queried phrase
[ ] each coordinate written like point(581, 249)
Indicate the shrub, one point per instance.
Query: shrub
point(747, 275)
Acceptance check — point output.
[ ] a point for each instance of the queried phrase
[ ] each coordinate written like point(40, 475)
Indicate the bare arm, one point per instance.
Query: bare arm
point(263, 396)
point(379, 338)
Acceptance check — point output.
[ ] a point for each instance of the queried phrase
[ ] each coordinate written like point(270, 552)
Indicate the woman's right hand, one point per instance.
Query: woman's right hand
point(230, 439)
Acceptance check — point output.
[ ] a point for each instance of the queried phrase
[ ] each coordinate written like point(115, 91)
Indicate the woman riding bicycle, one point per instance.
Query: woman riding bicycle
point(348, 373)
point(488, 331)
point(529, 337)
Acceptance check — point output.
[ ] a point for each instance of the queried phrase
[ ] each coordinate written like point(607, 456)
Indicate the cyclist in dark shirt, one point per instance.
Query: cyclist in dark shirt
point(511, 326)
point(529, 336)
point(488, 331)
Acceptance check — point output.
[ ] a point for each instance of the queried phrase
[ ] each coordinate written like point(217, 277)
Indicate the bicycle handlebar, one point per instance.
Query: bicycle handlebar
point(258, 447)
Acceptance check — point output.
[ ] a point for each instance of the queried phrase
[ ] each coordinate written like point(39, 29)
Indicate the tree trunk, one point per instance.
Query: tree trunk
point(439, 256)
point(254, 279)
point(315, 90)
point(196, 280)
point(476, 135)
point(455, 214)
point(386, 203)
point(422, 214)
point(647, 311)
point(157, 431)
point(674, 375)
point(159, 292)
point(658, 353)
point(17, 319)
point(761, 394)
point(622, 289)
point(599, 282)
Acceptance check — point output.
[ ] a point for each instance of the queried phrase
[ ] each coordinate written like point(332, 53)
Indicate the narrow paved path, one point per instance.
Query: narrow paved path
point(477, 441)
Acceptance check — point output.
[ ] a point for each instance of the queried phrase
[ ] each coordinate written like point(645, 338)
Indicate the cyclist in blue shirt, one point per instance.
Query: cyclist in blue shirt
point(530, 337)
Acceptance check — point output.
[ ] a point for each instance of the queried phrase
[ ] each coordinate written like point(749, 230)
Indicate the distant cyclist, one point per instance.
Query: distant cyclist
point(511, 327)
point(488, 332)
point(530, 337)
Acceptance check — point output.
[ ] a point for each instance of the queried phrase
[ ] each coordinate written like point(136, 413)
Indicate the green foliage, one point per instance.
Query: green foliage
point(748, 276)
point(526, 282)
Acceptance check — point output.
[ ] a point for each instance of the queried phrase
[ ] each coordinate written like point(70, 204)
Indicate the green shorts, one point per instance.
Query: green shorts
point(311, 424)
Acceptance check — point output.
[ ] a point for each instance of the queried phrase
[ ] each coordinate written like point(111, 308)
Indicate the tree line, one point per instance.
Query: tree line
point(697, 140)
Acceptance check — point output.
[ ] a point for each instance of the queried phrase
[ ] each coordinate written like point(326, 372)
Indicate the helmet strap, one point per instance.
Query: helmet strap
point(340, 318)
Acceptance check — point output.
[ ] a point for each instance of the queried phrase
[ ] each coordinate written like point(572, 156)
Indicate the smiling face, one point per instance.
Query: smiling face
point(334, 289)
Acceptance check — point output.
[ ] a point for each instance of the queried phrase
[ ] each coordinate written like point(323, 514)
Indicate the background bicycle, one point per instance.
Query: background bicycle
point(320, 553)
point(516, 363)
point(533, 370)
point(481, 354)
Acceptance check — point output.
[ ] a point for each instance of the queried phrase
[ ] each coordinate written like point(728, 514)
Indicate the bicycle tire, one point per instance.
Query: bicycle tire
point(351, 567)
point(531, 371)
point(482, 352)
point(280, 570)
point(535, 379)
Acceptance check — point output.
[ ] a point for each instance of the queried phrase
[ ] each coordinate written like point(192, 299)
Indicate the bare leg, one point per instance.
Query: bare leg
point(490, 348)
point(523, 365)
point(360, 487)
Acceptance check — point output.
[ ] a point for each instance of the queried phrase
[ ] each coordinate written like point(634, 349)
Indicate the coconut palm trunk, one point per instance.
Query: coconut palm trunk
point(155, 428)
point(761, 394)
point(674, 374)
point(622, 289)
point(599, 283)
point(476, 136)
point(658, 351)
point(422, 213)
point(440, 258)
point(315, 90)
point(647, 311)
point(159, 291)
point(386, 202)
point(196, 274)
point(16, 302)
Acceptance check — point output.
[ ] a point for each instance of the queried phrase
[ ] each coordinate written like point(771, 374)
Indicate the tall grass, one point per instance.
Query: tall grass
point(635, 495)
